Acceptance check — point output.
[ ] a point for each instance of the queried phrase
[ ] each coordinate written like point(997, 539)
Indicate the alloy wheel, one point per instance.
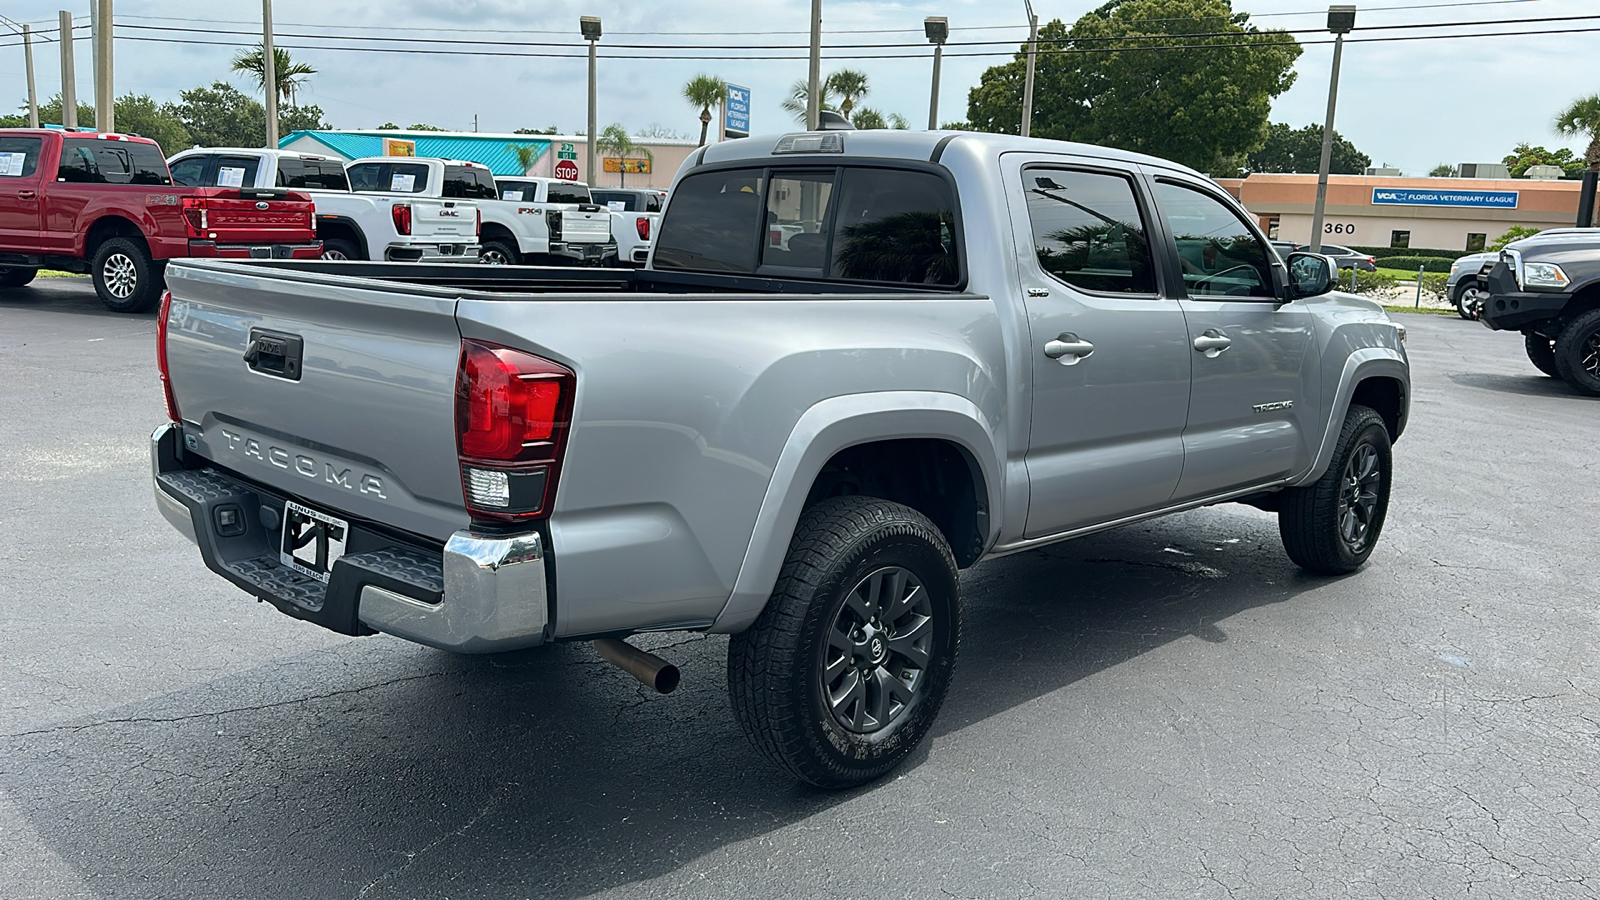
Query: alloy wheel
point(121, 275)
point(1589, 353)
point(878, 650)
point(1358, 497)
point(493, 258)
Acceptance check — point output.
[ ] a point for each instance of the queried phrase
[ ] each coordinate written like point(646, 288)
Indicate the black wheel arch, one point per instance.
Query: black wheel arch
point(1386, 396)
point(342, 228)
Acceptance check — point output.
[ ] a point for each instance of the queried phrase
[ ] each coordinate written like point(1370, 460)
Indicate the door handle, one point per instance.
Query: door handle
point(1212, 342)
point(27, 195)
point(1068, 349)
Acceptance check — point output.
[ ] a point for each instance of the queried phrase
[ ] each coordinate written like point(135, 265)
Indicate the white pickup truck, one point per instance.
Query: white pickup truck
point(350, 225)
point(534, 218)
point(635, 213)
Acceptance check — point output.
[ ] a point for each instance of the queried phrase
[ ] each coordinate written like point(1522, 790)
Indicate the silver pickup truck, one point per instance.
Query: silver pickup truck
point(971, 345)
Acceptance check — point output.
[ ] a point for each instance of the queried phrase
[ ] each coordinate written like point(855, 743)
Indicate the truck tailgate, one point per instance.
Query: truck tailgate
point(363, 426)
point(445, 221)
point(579, 227)
point(235, 216)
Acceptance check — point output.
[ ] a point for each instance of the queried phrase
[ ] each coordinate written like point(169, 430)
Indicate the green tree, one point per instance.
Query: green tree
point(615, 141)
point(705, 91)
point(1514, 233)
point(866, 118)
point(290, 75)
point(526, 154)
point(1523, 157)
point(1300, 150)
point(1442, 170)
point(850, 85)
point(221, 116)
point(550, 130)
point(1101, 82)
point(302, 118)
point(421, 126)
point(389, 126)
point(800, 93)
point(138, 114)
point(1582, 119)
point(49, 114)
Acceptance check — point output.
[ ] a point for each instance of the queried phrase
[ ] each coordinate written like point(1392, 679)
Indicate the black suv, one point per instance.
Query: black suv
point(1548, 288)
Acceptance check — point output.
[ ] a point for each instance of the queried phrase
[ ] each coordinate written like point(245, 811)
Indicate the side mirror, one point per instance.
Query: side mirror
point(1310, 275)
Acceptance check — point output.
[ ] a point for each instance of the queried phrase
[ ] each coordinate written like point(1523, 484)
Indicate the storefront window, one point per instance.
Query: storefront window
point(1400, 239)
point(1475, 242)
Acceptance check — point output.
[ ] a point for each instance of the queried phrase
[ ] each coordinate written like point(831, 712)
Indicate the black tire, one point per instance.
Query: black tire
point(16, 277)
point(1577, 353)
point(339, 248)
point(1541, 352)
point(1330, 526)
point(498, 253)
point(779, 670)
point(125, 277)
point(1460, 299)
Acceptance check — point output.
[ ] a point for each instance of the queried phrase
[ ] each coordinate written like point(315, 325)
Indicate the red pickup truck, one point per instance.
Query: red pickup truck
point(105, 204)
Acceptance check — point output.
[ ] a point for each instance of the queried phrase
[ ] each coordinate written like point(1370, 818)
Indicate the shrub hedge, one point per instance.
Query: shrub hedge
point(1383, 252)
point(1412, 263)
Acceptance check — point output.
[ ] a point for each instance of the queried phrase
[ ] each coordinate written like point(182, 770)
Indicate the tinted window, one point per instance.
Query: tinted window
point(469, 183)
point(313, 174)
point(652, 202)
point(797, 219)
point(518, 191)
point(387, 177)
point(569, 193)
point(894, 226)
point(1218, 253)
point(237, 171)
point(149, 166)
point(190, 171)
point(98, 161)
point(1088, 231)
point(629, 202)
point(19, 156)
point(714, 223)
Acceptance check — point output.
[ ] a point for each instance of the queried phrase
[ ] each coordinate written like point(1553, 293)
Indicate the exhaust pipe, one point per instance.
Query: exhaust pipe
point(652, 671)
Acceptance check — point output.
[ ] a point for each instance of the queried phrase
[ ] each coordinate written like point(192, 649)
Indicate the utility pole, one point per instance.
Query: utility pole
point(269, 74)
point(814, 79)
point(94, 56)
point(1027, 83)
point(590, 26)
point(105, 104)
point(69, 82)
point(1341, 20)
point(938, 31)
point(33, 95)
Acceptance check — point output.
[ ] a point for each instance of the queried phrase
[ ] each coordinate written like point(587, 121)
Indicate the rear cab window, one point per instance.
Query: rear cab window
point(861, 223)
point(573, 194)
point(388, 177)
point(19, 156)
point(312, 174)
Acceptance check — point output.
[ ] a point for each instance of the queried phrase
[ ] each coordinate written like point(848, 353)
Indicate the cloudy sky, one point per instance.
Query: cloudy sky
point(1411, 104)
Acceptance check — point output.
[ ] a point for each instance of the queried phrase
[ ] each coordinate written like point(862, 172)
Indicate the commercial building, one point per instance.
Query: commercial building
point(554, 156)
point(1377, 211)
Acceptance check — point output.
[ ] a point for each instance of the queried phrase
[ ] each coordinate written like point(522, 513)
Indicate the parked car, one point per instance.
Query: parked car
point(979, 345)
point(105, 204)
point(1548, 287)
point(1345, 257)
point(635, 212)
point(533, 219)
point(1463, 288)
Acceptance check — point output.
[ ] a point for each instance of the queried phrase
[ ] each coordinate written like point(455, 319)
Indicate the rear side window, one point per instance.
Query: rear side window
point(190, 171)
point(312, 174)
point(98, 161)
point(517, 191)
point(387, 177)
point(19, 156)
point(569, 193)
point(469, 183)
point(895, 226)
point(1088, 230)
point(714, 224)
point(237, 171)
point(617, 200)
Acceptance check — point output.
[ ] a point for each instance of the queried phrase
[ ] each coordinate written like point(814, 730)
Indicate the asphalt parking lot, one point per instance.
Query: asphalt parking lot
point(1167, 710)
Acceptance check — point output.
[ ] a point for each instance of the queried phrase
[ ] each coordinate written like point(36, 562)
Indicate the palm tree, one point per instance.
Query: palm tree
point(289, 74)
point(867, 118)
point(849, 85)
point(1581, 119)
point(800, 92)
point(615, 140)
point(526, 154)
point(705, 91)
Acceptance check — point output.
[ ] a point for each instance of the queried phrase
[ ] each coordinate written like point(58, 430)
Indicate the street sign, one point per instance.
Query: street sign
point(567, 170)
point(566, 151)
point(736, 112)
point(1413, 197)
point(630, 166)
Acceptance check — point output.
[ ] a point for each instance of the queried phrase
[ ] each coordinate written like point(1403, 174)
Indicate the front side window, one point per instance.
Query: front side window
point(468, 183)
point(19, 156)
point(1088, 230)
point(190, 171)
point(387, 177)
point(714, 223)
point(797, 217)
point(892, 225)
point(1219, 255)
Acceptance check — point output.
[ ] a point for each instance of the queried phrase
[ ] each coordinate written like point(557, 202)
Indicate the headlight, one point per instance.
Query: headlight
point(1548, 275)
point(1400, 330)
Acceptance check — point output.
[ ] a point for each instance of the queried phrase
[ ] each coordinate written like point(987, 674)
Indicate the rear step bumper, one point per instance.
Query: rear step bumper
point(214, 250)
point(476, 594)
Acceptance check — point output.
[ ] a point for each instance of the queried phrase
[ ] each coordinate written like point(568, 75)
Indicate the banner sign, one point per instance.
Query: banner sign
point(736, 112)
point(1416, 197)
point(630, 166)
point(399, 147)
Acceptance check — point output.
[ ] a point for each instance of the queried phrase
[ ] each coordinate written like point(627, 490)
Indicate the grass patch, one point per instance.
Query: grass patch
point(1425, 310)
point(55, 273)
point(1399, 274)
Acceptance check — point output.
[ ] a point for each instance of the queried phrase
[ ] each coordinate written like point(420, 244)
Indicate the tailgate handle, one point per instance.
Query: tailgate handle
point(275, 353)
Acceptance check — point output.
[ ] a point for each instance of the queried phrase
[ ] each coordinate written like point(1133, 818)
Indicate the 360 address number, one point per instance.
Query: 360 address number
point(1339, 228)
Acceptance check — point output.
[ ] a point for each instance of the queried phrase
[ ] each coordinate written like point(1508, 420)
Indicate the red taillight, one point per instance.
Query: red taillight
point(161, 356)
point(643, 225)
point(402, 217)
point(478, 228)
point(512, 414)
point(194, 216)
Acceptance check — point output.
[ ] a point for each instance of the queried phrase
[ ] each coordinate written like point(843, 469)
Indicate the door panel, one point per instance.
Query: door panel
point(19, 192)
point(1109, 349)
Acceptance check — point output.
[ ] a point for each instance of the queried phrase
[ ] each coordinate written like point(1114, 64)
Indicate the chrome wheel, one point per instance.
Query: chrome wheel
point(494, 257)
point(121, 275)
point(1589, 353)
point(333, 254)
point(1358, 497)
point(879, 647)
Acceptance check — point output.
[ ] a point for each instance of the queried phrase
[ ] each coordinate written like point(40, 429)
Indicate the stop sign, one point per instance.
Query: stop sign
point(567, 170)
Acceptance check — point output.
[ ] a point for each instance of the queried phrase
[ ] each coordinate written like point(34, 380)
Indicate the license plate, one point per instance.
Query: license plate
point(312, 541)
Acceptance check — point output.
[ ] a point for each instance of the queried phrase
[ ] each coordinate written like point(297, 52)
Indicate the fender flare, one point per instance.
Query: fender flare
point(823, 430)
point(1368, 362)
point(339, 220)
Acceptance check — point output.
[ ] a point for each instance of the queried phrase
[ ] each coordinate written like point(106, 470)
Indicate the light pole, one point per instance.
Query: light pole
point(33, 96)
point(814, 79)
point(69, 77)
point(938, 30)
point(590, 26)
point(104, 88)
point(1341, 19)
point(1027, 84)
point(269, 74)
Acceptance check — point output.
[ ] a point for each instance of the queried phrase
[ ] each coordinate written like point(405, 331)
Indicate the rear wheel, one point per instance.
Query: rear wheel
point(1330, 526)
point(124, 276)
point(498, 253)
point(1468, 299)
point(1577, 353)
point(842, 675)
point(16, 277)
point(1541, 352)
point(339, 248)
